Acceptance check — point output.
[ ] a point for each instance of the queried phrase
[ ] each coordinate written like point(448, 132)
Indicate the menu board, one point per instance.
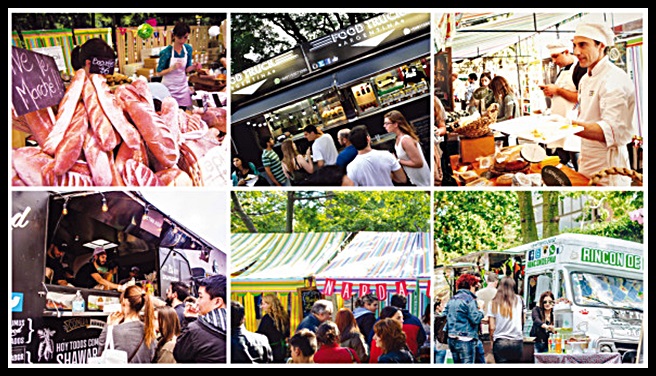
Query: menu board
point(268, 75)
point(35, 81)
point(356, 40)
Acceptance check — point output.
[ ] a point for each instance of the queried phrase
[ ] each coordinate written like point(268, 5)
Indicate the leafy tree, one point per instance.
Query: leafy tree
point(256, 37)
point(326, 211)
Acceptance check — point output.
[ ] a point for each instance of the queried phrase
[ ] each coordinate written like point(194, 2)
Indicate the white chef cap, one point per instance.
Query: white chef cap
point(556, 47)
point(595, 31)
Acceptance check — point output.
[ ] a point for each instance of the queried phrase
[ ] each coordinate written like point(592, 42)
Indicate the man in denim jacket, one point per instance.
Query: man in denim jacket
point(463, 320)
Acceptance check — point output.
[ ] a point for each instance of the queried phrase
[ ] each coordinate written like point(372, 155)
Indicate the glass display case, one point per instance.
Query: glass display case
point(330, 109)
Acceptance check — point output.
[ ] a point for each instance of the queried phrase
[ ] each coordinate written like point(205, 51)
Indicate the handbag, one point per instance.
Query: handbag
point(110, 355)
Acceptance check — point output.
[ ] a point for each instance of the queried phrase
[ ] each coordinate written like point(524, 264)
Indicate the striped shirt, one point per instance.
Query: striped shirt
point(270, 159)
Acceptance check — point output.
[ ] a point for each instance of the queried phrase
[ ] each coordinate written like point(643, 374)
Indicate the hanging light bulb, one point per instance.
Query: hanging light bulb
point(65, 209)
point(104, 206)
point(145, 214)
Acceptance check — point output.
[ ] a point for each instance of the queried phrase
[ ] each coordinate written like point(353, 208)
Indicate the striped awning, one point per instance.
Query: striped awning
point(381, 255)
point(259, 258)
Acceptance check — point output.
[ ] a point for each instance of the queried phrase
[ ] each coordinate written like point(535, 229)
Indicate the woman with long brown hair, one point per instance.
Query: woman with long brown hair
point(390, 338)
point(275, 326)
point(506, 320)
point(543, 321)
point(167, 326)
point(505, 97)
point(132, 333)
point(296, 167)
point(349, 334)
point(408, 148)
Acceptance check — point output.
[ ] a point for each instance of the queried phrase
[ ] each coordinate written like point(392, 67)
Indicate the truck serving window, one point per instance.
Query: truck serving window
point(607, 291)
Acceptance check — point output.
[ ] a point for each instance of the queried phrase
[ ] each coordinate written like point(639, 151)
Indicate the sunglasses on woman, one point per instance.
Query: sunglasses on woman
point(548, 302)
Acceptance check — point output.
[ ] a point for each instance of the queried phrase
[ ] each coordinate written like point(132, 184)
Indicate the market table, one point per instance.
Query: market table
point(575, 177)
point(537, 128)
point(597, 358)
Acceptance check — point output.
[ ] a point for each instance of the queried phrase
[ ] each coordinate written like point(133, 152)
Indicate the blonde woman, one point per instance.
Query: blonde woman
point(506, 320)
point(167, 326)
point(132, 334)
point(275, 326)
point(408, 150)
point(295, 166)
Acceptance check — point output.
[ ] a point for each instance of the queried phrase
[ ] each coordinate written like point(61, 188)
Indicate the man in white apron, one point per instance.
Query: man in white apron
point(564, 98)
point(607, 100)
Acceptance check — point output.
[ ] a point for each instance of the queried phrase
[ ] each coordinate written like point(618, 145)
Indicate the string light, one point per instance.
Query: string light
point(65, 209)
point(104, 206)
point(145, 214)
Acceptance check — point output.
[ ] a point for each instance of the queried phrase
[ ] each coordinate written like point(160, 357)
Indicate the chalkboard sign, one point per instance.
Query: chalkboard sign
point(35, 81)
point(101, 66)
point(308, 297)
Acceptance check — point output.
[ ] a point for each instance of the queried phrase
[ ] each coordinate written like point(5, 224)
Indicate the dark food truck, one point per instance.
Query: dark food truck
point(44, 329)
point(351, 77)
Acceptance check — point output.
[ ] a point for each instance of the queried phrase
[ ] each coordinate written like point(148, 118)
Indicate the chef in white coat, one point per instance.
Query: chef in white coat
point(607, 105)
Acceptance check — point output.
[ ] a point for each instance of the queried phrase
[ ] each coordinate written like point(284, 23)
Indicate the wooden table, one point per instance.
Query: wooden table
point(575, 177)
point(586, 358)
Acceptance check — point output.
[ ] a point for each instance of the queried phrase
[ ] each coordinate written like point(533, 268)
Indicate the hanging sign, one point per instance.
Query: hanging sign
point(35, 81)
point(152, 222)
point(401, 288)
point(329, 287)
point(381, 291)
point(347, 290)
point(364, 289)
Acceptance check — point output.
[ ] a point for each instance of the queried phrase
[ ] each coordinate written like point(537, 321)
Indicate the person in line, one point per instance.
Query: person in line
point(133, 273)
point(350, 335)
point(607, 104)
point(89, 276)
point(391, 340)
point(505, 97)
point(176, 294)
point(372, 167)
point(408, 149)
point(271, 162)
point(321, 311)
point(203, 339)
point(246, 346)
point(324, 151)
point(275, 326)
point(295, 165)
point(54, 260)
point(167, 327)
point(564, 99)
point(132, 334)
point(486, 294)
point(328, 176)
point(175, 61)
point(348, 152)
point(440, 134)
point(412, 326)
point(302, 347)
point(506, 322)
point(463, 320)
point(330, 350)
point(389, 311)
point(244, 171)
point(365, 313)
point(469, 91)
point(543, 321)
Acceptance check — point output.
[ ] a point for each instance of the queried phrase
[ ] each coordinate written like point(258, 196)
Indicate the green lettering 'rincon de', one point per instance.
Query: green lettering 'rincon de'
point(611, 258)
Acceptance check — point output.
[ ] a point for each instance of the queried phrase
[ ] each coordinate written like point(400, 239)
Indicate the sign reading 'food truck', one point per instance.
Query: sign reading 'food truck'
point(361, 38)
point(35, 81)
point(268, 75)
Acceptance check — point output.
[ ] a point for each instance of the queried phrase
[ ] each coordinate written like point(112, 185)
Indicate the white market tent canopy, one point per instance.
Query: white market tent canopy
point(483, 34)
point(282, 256)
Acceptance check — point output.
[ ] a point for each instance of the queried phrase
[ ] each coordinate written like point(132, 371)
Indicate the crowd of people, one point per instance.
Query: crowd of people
point(356, 163)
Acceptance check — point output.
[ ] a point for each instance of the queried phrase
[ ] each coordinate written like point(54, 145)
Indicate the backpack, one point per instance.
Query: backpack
point(299, 175)
point(440, 329)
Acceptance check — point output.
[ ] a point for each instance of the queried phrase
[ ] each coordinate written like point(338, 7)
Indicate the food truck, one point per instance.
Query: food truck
point(602, 278)
point(133, 232)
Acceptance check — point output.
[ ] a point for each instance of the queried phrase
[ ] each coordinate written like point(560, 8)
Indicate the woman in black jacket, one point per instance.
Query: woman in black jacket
point(543, 321)
point(275, 326)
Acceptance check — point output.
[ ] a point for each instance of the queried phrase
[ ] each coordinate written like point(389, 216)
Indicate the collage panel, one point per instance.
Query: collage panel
point(337, 285)
point(87, 264)
point(119, 99)
point(515, 107)
point(323, 90)
point(559, 280)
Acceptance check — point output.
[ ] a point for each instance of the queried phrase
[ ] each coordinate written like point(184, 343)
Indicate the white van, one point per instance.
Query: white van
point(602, 278)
